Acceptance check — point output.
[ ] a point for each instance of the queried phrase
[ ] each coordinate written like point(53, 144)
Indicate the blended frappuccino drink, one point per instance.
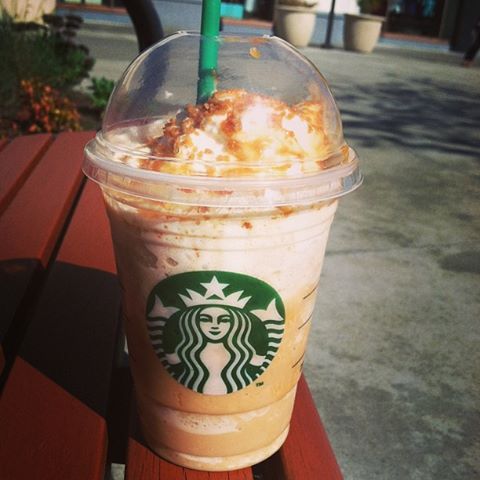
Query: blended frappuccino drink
point(220, 214)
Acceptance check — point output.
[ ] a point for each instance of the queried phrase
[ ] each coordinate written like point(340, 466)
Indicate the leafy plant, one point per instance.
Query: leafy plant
point(43, 55)
point(101, 89)
point(35, 51)
point(41, 109)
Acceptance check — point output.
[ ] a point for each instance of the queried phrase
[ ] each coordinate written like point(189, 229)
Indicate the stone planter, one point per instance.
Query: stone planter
point(295, 24)
point(361, 32)
point(27, 10)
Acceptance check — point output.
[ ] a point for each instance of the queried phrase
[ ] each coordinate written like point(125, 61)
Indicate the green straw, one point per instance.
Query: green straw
point(207, 64)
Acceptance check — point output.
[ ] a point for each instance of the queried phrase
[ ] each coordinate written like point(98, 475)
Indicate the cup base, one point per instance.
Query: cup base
point(220, 464)
point(215, 442)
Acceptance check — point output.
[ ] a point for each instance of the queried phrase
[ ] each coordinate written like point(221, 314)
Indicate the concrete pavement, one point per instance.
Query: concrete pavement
point(394, 357)
point(394, 353)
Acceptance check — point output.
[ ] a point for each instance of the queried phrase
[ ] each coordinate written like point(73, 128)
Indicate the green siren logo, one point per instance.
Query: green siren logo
point(215, 332)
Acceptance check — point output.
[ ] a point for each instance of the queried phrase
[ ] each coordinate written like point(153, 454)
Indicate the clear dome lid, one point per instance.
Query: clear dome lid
point(261, 113)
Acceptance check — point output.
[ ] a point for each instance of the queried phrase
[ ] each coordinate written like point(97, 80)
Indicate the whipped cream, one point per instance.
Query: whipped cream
point(236, 134)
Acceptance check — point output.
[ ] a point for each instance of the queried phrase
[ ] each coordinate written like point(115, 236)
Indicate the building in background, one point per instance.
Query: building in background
point(341, 6)
point(451, 20)
point(419, 17)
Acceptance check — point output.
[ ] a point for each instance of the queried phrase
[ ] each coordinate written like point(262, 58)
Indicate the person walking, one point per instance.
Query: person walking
point(474, 47)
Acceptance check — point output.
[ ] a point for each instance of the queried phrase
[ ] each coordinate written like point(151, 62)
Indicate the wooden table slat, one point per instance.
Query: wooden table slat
point(36, 215)
point(17, 160)
point(88, 242)
point(33, 221)
point(46, 432)
point(143, 464)
point(77, 316)
point(307, 452)
point(243, 474)
point(65, 362)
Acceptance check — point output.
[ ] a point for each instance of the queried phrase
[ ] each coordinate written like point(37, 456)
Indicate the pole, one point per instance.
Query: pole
point(146, 22)
point(328, 36)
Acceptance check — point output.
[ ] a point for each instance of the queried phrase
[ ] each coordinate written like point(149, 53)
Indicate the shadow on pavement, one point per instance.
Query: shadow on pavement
point(420, 115)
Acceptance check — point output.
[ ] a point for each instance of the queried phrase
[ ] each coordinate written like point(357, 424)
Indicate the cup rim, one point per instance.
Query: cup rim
point(232, 191)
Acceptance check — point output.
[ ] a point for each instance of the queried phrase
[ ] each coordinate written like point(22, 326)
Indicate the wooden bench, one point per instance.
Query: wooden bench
point(65, 398)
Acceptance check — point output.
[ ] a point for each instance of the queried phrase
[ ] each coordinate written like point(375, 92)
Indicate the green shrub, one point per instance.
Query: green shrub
point(101, 89)
point(45, 55)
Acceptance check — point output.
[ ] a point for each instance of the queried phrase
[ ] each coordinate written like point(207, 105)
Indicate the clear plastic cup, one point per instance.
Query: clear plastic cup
point(219, 220)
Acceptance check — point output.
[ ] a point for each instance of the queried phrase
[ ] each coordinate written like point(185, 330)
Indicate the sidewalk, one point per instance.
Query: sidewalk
point(395, 358)
point(114, 45)
point(394, 354)
point(174, 19)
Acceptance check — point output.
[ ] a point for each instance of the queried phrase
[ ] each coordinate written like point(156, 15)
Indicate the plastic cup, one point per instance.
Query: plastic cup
point(219, 257)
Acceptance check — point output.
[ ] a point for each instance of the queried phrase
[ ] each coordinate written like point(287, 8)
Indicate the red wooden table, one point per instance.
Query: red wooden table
point(65, 390)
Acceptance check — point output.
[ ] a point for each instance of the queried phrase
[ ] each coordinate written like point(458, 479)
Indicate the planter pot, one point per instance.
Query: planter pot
point(26, 10)
point(361, 32)
point(295, 24)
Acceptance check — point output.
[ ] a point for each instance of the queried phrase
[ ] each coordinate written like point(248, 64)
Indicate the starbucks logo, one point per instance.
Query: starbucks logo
point(215, 332)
